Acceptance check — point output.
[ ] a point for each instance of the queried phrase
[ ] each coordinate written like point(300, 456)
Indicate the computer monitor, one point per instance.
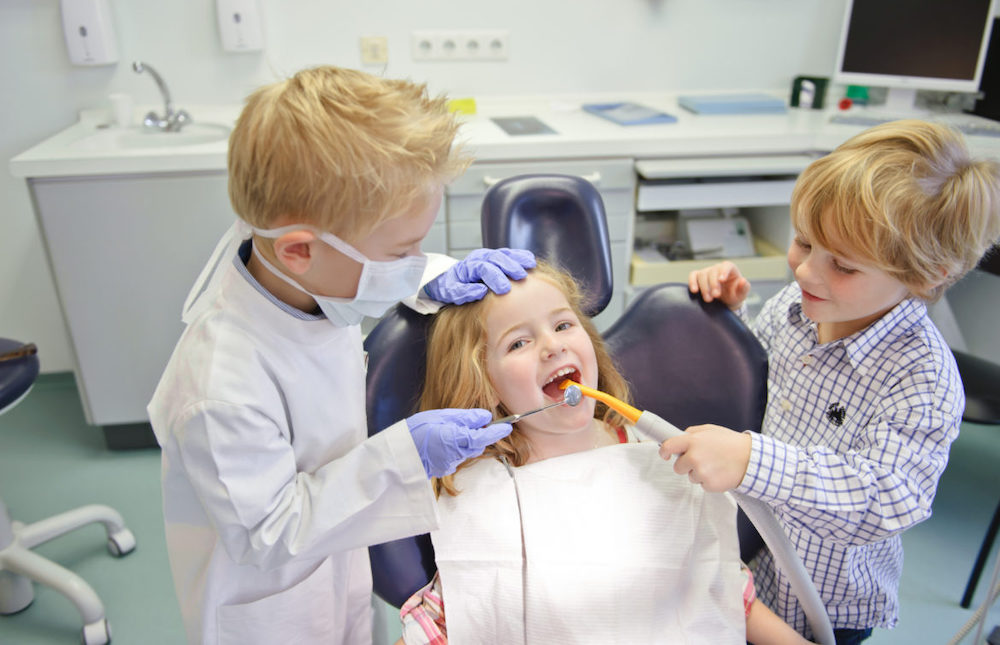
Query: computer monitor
point(914, 45)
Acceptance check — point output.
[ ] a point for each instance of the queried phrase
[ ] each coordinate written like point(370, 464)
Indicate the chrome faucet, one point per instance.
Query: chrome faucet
point(170, 121)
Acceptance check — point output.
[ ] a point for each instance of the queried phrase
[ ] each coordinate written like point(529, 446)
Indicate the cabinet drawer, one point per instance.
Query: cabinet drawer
point(743, 166)
point(713, 194)
point(465, 234)
point(604, 173)
point(436, 240)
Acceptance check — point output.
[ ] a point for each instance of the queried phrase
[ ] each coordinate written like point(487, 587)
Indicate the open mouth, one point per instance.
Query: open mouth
point(551, 387)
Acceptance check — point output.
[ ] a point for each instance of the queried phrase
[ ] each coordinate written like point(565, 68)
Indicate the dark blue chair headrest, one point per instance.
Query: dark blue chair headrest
point(559, 218)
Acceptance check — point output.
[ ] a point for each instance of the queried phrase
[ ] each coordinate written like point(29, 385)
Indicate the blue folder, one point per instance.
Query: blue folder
point(628, 113)
point(733, 104)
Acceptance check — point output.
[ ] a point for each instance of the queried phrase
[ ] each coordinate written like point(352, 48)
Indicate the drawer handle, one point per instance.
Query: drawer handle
point(594, 178)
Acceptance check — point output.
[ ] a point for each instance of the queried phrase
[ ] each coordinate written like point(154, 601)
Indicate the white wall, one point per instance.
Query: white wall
point(556, 46)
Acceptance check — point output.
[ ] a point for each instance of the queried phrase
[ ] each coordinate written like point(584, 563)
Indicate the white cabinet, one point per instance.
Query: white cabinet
point(124, 252)
point(754, 190)
point(613, 178)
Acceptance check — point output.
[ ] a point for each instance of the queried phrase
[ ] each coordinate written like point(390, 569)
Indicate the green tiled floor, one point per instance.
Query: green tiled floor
point(51, 461)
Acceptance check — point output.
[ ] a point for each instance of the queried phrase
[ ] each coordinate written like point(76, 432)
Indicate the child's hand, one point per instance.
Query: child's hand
point(723, 281)
point(481, 271)
point(710, 455)
point(446, 438)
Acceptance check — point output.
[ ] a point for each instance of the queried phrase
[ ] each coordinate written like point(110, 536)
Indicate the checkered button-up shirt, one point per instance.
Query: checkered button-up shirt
point(855, 437)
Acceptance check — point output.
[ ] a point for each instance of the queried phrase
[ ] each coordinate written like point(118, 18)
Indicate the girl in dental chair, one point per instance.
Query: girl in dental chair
point(569, 530)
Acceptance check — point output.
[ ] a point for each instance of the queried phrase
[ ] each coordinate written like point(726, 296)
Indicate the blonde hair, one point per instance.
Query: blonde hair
point(906, 198)
point(341, 150)
point(456, 367)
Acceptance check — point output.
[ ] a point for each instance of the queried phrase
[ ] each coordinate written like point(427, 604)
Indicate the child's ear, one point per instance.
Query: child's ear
point(294, 251)
point(943, 273)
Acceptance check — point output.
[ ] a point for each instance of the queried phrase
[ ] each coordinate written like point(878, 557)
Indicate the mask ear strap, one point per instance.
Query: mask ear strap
point(343, 247)
point(329, 238)
point(207, 284)
point(280, 274)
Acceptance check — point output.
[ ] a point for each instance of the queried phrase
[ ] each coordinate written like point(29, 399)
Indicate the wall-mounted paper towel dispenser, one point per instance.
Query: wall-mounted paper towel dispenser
point(239, 25)
point(89, 32)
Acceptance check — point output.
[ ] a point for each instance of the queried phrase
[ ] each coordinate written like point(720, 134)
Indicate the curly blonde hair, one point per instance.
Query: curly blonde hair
point(340, 150)
point(456, 368)
point(906, 198)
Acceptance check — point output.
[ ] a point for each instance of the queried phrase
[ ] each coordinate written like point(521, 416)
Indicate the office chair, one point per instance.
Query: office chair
point(664, 328)
point(981, 381)
point(19, 565)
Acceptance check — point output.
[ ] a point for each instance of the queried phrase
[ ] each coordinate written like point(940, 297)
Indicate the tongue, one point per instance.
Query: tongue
point(552, 389)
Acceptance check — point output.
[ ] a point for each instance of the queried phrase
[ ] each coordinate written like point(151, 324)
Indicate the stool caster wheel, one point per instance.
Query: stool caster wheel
point(97, 633)
point(121, 543)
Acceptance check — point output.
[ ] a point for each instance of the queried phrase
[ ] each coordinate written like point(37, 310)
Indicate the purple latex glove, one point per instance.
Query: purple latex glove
point(469, 279)
point(446, 438)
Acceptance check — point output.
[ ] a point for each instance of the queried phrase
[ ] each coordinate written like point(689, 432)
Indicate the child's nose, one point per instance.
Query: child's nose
point(806, 267)
point(552, 345)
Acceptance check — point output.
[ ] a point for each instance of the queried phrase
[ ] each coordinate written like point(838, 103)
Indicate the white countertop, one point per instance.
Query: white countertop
point(71, 152)
point(578, 135)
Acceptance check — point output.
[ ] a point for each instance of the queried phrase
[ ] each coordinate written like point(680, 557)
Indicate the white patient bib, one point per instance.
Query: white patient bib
point(618, 549)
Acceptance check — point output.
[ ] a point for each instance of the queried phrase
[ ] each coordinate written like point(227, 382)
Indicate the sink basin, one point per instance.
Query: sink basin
point(138, 138)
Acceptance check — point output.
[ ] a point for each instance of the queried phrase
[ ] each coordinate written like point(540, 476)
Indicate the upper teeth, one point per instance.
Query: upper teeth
point(563, 372)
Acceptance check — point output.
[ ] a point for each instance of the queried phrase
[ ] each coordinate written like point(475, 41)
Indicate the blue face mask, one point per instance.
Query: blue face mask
point(381, 285)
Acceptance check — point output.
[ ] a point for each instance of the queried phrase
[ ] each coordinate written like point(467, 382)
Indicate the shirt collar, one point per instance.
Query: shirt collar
point(240, 261)
point(896, 323)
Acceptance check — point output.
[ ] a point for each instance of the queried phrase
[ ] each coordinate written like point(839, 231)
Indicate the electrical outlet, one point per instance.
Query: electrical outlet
point(459, 44)
point(374, 50)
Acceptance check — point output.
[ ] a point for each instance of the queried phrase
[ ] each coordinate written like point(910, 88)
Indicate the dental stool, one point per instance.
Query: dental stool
point(19, 566)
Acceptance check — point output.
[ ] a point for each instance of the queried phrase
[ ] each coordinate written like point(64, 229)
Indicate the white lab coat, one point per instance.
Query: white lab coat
point(271, 489)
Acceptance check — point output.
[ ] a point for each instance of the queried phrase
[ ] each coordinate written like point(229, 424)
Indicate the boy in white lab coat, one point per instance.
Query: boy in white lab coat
point(271, 490)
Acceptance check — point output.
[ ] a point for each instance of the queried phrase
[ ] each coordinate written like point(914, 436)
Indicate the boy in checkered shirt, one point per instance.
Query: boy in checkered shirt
point(864, 397)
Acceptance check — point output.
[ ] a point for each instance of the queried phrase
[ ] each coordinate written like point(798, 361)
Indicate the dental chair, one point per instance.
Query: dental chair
point(688, 361)
point(558, 217)
point(19, 565)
